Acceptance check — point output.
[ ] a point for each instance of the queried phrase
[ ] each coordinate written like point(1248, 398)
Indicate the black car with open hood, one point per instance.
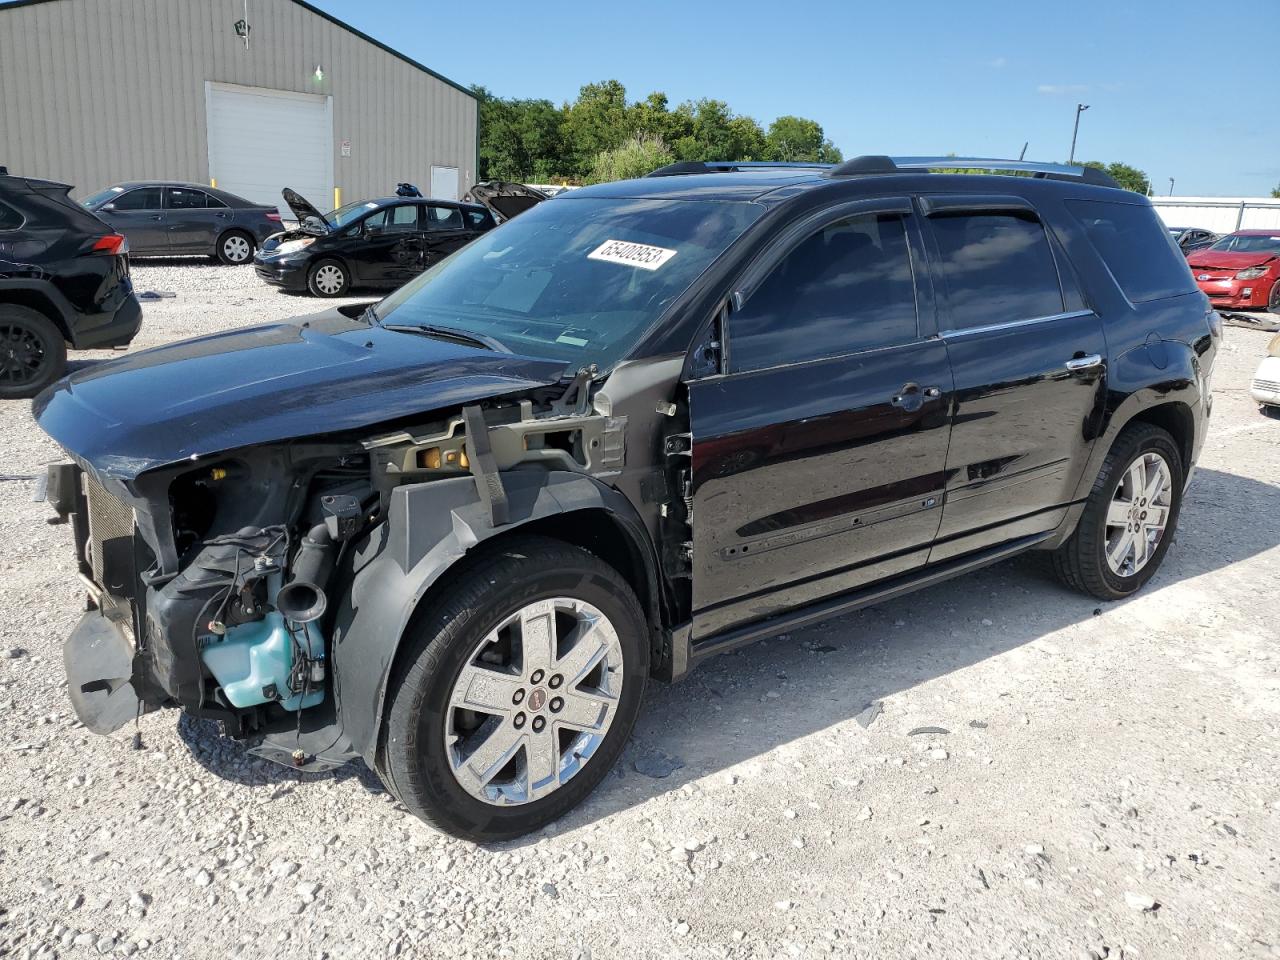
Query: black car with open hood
point(455, 533)
point(369, 244)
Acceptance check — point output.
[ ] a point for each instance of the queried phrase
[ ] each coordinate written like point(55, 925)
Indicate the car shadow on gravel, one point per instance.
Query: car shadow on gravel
point(737, 707)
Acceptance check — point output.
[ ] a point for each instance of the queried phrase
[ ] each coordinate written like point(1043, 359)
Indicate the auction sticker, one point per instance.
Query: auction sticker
point(632, 254)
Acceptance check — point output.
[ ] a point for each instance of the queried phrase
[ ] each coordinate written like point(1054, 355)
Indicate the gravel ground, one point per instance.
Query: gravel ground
point(1037, 777)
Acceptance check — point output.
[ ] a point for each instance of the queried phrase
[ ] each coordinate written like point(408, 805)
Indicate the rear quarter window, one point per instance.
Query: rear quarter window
point(1136, 248)
point(10, 219)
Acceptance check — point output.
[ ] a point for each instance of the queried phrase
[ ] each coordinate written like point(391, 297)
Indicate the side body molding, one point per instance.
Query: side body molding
point(429, 528)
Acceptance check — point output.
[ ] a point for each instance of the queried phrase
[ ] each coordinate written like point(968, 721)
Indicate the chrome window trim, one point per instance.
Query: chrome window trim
point(1010, 324)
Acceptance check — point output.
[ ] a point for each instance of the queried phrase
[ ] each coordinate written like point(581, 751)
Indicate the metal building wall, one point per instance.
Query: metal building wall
point(93, 92)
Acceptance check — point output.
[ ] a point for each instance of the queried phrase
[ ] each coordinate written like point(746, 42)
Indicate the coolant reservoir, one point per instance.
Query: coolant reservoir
point(256, 657)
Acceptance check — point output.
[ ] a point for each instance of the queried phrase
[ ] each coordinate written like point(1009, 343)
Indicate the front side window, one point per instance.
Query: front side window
point(144, 198)
point(182, 198)
point(444, 218)
point(846, 288)
point(579, 280)
point(996, 268)
point(1127, 238)
point(401, 219)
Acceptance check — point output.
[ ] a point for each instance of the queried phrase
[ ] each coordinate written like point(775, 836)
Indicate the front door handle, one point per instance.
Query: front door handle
point(1076, 364)
point(912, 396)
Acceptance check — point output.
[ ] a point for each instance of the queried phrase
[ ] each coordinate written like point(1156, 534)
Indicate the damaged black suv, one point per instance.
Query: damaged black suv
point(455, 534)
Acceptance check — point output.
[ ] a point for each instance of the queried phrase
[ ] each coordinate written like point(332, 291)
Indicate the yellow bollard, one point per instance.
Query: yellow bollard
point(337, 197)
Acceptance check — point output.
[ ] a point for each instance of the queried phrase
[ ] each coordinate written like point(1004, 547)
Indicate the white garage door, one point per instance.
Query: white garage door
point(261, 141)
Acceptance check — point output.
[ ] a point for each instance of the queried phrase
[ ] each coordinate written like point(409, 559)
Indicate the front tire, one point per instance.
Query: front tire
point(33, 353)
point(235, 247)
point(518, 691)
point(328, 278)
point(1129, 519)
point(1273, 301)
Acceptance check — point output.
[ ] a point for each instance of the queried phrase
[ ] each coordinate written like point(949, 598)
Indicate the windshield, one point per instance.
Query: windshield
point(1248, 243)
point(101, 197)
point(349, 212)
point(574, 279)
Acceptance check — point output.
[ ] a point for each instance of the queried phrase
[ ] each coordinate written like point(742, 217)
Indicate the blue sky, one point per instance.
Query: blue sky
point(916, 77)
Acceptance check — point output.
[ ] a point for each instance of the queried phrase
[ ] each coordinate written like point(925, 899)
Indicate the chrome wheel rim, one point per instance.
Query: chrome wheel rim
point(329, 279)
point(533, 702)
point(237, 249)
point(1138, 514)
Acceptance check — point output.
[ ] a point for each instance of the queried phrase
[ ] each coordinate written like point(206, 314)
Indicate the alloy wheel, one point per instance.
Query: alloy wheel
point(21, 354)
point(1138, 514)
point(534, 701)
point(329, 279)
point(236, 248)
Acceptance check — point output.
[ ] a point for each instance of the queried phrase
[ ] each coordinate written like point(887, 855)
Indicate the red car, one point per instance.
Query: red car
point(1240, 270)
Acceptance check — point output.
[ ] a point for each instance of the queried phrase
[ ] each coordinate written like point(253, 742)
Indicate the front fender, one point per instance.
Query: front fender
point(429, 528)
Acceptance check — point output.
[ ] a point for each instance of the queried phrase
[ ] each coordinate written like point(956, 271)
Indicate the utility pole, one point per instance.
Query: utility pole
point(1171, 186)
point(1080, 108)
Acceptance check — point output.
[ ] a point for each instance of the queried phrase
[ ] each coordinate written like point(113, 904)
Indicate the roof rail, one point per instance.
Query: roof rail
point(732, 166)
point(1052, 171)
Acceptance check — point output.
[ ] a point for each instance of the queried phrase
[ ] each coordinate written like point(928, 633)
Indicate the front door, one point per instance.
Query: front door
point(390, 252)
point(1029, 360)
point(818, 456)
point(139, 214)
point(195, 219)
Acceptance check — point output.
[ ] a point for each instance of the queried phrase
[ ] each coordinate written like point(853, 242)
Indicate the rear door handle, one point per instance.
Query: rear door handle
point(1076, 364)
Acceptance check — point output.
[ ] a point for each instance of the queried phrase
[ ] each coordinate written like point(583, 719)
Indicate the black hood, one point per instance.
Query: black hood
point(302, 207)
point(267, 384)
point(506, 199)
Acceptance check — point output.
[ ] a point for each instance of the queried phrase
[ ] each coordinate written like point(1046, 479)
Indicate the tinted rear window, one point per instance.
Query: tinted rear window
point(997, 268)
point(1136, 248)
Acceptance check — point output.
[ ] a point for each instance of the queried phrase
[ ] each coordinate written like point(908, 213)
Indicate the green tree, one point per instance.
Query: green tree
point(713, 132)
point(595, 122)
point(519, 139)
point(796, 138)
point(1275, 191)
point(634, 158)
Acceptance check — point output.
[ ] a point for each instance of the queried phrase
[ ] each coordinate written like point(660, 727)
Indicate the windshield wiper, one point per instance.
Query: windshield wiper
point(370, 316)
point(450, 333)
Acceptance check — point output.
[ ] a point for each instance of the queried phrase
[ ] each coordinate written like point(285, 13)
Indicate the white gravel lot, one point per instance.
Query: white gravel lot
point(1107, 783)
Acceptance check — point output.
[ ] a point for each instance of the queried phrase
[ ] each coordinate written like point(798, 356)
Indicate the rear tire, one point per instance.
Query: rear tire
point(1116, 547)
point(235, 247)
point(33, 353)
point(328, 278)
point(471, 772)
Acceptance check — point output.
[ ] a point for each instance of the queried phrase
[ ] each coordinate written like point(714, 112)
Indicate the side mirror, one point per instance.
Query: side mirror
point(108, 207)
point(372, 229)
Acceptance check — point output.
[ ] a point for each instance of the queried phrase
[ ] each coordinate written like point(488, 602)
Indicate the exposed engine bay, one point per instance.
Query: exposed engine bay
point(231, 580)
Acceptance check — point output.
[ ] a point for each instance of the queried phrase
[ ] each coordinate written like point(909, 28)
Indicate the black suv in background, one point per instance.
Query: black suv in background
point(164, 218)
point(367, 243)
point(648, 422)
point(64, 279)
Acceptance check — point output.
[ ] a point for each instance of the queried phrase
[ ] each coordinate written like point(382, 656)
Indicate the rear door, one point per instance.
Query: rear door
point(818, 455)
point(446, 232)
point(1029, 360)
point(139, 214)
point(194, 218)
